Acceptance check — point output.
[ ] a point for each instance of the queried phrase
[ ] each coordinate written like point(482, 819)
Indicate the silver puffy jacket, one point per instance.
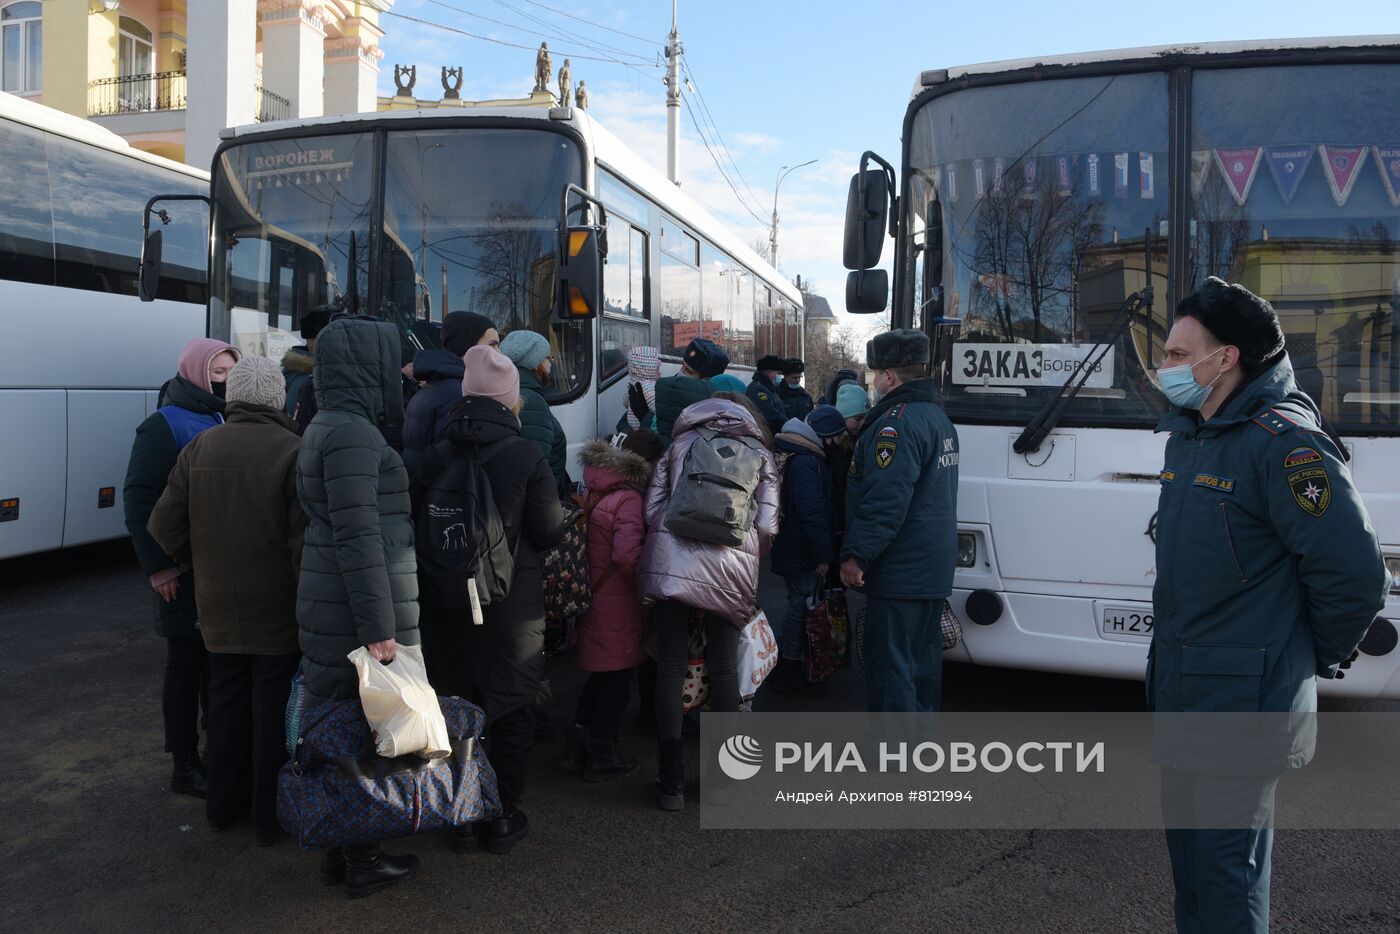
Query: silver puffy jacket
point(714, 578)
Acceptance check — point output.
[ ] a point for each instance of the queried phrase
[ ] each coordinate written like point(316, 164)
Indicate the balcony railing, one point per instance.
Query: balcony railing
point(130, 94)
point(268, 106)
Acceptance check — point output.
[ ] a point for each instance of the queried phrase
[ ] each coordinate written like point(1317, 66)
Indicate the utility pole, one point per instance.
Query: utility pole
point(673, 101)
point(773, 231)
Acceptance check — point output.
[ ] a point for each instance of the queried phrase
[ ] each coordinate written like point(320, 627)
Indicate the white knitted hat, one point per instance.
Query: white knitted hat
point(257, 381)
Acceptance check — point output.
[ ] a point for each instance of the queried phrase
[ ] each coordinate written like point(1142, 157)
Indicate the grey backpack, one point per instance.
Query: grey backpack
point(715, 499)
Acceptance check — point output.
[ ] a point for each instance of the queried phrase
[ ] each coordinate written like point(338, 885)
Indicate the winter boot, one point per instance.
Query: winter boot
point(574, 742)
point(333, 866)
point(670, 776)
point(604, 761)
point(506, 831)
point(188, 775)
point(368, 869)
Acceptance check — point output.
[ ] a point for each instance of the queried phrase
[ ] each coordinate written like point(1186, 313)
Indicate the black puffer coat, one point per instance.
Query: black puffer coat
point(500, 663)
point(359, 580)
point(425, 418)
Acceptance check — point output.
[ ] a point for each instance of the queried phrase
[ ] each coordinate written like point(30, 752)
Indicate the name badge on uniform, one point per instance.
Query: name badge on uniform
point(1212, 482)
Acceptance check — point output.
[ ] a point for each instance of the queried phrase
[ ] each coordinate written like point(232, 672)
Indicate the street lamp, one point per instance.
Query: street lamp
point(773, 233)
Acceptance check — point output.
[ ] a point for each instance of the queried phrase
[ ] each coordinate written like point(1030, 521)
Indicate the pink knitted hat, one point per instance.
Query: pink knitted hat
point(491, 374)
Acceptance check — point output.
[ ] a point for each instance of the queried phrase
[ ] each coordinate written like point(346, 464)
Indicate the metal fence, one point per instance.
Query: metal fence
point(268, 106)
point(137, 94)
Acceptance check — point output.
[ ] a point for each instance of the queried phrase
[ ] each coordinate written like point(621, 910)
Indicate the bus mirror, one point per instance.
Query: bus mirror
point(581, 273)
point(865, 219)
point(149, 282)
point(867, 291)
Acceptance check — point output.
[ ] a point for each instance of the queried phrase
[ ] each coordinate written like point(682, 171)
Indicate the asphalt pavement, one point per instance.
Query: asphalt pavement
point(93, 839)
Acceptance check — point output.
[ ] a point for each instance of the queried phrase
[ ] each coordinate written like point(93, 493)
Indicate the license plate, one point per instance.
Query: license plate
point(1122, 622)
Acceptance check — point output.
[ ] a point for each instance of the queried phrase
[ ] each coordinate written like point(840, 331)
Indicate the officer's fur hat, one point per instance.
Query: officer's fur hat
point(897, 348)
point(1235, 315)
point(705, 357)
point(769, 362)
point(793, 365)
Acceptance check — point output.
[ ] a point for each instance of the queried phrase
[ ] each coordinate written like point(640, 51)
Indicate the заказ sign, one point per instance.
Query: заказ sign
point(1040, 365)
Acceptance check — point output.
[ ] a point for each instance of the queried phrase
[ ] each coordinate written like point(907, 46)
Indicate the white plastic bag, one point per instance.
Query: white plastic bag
point(758, 654)
point(400, 704)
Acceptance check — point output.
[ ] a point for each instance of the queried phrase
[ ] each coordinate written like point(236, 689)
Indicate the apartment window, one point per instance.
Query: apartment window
point(21, 47)
point(136, 57)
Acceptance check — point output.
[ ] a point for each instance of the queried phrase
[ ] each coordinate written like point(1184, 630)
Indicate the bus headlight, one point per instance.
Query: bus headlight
point(967, 551)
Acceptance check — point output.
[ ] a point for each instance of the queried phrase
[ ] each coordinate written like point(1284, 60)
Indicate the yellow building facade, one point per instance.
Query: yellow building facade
point(138, 66)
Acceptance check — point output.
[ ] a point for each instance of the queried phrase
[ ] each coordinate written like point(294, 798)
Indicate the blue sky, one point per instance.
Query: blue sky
point(785, 82)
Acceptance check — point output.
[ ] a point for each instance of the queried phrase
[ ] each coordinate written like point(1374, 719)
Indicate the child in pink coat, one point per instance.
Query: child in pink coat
point(616, 475)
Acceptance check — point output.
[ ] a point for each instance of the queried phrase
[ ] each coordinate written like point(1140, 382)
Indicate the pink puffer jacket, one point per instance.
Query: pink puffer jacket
point(714, 578)
point(610, 633)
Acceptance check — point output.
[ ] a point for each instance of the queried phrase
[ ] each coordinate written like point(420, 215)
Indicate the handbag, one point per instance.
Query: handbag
point(817, 660)
point(949, 627)
point(695, 689)
point(839, 616)
point(758, 655)
point(336, 791)
point(568, 590)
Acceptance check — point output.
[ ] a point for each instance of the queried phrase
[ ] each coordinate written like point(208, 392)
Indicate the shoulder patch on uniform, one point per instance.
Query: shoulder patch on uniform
point(889, 431)
point(1167, 476)
point(1212, 482)
point(884, 453)
point(1312, 490)
point(1301, 457)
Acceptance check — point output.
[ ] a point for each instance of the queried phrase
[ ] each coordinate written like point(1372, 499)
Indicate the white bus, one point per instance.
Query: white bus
point(81, 359)
point(408, 215)
point(1035, 197)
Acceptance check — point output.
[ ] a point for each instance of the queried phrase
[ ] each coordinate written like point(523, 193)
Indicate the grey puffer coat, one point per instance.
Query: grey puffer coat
point(715, 578)
point(359, 581)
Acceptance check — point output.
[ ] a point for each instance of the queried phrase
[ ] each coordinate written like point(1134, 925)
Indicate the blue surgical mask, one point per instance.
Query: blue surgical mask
point(1178, 383)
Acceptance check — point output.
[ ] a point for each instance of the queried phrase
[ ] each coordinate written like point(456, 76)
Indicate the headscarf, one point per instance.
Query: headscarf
point(196, 357)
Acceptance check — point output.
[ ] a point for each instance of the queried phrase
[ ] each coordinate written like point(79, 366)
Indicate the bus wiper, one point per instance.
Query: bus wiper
point(1035, 433)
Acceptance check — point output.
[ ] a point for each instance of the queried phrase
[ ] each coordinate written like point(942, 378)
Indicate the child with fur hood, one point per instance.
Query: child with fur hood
point(616, 475)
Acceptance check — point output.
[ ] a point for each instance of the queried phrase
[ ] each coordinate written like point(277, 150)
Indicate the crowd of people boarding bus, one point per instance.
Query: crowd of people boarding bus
point(275, 509)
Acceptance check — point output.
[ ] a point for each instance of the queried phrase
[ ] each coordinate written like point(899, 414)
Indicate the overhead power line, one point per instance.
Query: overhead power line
point(532, 32)
point(514, 45)
point(591, 23)
point(589, 42)
point(719, 165)
point(724, 146)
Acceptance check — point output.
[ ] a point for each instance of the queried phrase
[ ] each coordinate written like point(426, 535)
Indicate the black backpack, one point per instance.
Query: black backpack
point(459, 534)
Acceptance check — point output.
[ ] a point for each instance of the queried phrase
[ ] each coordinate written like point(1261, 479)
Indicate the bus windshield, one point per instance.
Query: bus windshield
point(469, 220)
point(1036, 207)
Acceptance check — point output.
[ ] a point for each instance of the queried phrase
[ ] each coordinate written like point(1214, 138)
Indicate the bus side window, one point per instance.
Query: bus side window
point(26, 221)
point(625, 322)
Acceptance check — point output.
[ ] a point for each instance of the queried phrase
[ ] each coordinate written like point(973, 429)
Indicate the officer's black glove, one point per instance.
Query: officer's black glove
point(637, 402)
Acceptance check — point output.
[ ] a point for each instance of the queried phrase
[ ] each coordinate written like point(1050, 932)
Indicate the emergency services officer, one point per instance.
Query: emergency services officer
point(902, 525)
point(1268, 576)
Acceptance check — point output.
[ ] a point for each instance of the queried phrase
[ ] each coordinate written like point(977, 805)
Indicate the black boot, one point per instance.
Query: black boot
point(472, 837)
point(333, 866)
point(506, 831)
point(188, 776)
point(670, 776)
point(604, 761)
point(368, 869)
point(574, 742)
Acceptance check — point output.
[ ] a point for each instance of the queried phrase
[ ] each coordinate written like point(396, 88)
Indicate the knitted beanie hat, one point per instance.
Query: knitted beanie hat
point(257, 381)
point(491, 374)
point(643, 364)
point(851, 401)
point(827, 422)
point(526, 349)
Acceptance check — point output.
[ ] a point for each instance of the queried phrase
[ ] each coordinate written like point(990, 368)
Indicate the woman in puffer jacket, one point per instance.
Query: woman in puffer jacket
point(680, 574)
point(610, 633)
